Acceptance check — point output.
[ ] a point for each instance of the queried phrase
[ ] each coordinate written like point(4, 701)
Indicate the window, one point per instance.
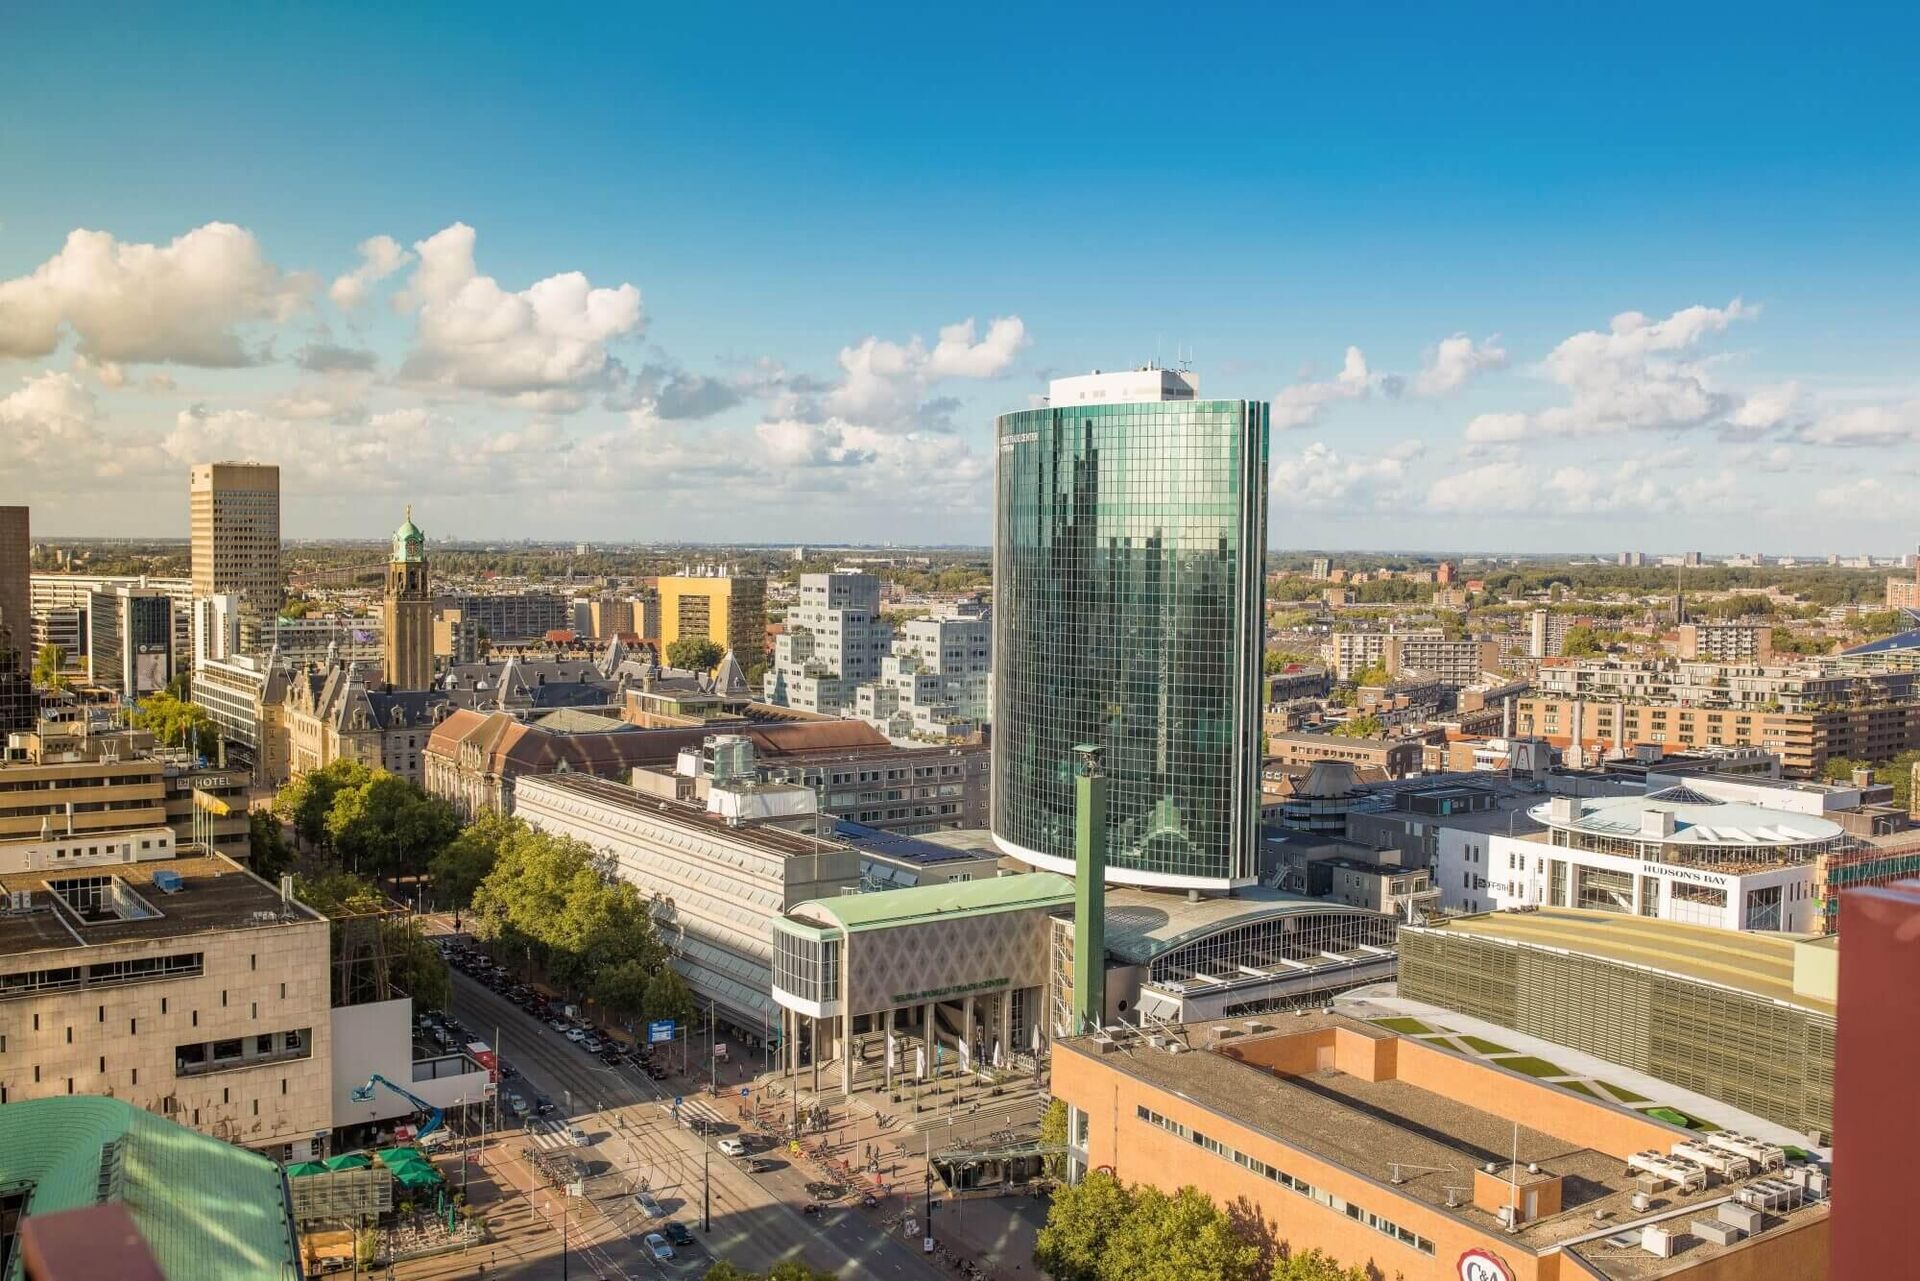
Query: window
point(1255, 1165)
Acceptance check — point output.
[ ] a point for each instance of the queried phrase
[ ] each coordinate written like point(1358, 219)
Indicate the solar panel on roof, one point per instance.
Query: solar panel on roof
point(894, 845)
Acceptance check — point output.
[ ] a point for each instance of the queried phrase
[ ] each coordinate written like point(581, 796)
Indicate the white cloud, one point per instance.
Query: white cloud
point(380, 257)
point(1498, 486)
point(883, 383)
point(1304, 403)
point(1763, 411)
point(1866, 425)
point(1867, 497)
point(1319, 477)
point(1640, 485)
point(546, 344)
point(1640, 375)
point(1454, 361)
point(189, 301)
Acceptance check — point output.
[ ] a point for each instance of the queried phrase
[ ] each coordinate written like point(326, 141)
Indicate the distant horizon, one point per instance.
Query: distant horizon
point(1804, 559)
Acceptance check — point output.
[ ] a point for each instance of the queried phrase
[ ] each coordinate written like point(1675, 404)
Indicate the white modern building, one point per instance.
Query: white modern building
point(216, 629)
point(1677, 854)
point(834, 642)
point(936, 684)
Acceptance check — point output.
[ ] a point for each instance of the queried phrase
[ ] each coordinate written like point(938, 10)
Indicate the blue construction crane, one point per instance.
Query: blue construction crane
point(364, 1093)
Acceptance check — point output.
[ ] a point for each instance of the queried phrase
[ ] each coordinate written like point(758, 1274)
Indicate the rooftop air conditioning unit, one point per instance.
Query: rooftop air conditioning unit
point(1657, 1241)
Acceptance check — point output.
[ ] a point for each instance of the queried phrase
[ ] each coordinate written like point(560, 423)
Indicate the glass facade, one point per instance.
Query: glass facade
point(1128, 553)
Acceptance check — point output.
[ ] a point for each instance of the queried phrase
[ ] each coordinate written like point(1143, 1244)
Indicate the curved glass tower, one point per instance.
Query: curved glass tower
point(1129, 538)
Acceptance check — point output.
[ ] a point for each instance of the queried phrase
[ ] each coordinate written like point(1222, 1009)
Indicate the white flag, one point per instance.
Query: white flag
point(920, 1061)
point(893, 1064)
point(966, 1055)
point(999, 1057)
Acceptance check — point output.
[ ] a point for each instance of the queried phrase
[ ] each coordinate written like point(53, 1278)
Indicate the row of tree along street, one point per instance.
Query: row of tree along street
point(546, 901)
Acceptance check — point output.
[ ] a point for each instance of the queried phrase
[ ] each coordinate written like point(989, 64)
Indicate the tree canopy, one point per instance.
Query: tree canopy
point(377, 822)
point(49, 668)
point(593, 933)
point(785, 1270)
point(1099, 1230)
point(175, 723)
point(1896, 773)
point(695, 654)
point(268, 853)
point(1361, 727)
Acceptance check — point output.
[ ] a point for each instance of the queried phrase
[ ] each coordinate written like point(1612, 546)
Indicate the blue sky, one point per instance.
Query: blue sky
point(796, 195)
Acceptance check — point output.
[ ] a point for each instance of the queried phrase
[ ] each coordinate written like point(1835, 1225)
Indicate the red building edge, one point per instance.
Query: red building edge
point(1876, 1127)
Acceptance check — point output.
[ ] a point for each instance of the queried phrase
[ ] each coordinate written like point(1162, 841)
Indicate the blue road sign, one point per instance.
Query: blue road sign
point(744, 1091)
point(659, 1030)
point(676, 1102)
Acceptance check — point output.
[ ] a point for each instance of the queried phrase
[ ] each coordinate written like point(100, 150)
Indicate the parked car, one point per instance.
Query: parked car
point(757, 1165)
point(516, 1105)
point(731, 1147)
point(648, 1206)
point(678, 1233)
point(575, 1034)
point(658, 1246)
point(576, 1136)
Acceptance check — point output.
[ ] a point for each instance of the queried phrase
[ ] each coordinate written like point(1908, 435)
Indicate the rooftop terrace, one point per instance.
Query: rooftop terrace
point(1426, 1146)
point(213, 893)
point(1760, 963)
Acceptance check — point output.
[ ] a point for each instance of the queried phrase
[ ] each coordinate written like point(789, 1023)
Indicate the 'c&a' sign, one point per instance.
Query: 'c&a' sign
point(1478, 1265)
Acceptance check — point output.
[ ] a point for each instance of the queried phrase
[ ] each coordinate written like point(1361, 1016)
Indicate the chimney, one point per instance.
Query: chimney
point(1862, 777)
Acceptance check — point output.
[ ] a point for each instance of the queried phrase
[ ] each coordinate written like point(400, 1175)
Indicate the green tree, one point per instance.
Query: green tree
point(388, 826)
point(785, 1270)
point(415, 966)
point(1314, 1265)
point(593, 934)
point(268, 853)
point(1361, 727)
point(1582, 642)
point(1182, 1237)
point(459, 868)
point(1071, 1245)
point(695, 654)
point(174, 723)
point(49, 668)
point(305, 801)
point(1375, 676)
point(1053, 1130)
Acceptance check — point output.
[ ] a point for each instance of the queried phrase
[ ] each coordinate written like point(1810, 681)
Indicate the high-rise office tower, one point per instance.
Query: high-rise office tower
point(409, 610)
point(130, 647)
point(16, 590)
point(1130, 531)
point(712, 602)
point(19, 704)
point(235, 523)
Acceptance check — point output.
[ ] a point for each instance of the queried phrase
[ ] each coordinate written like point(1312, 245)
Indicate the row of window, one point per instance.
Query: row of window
point(143, 969)
point(1384, 1226)
point(241, 1051)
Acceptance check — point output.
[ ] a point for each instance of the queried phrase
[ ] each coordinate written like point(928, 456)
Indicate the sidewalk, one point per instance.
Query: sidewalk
point(869, 1150)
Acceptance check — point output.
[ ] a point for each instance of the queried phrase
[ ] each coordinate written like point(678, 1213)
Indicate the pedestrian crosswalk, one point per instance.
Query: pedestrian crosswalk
point(692, 1109)
point(549, 1135)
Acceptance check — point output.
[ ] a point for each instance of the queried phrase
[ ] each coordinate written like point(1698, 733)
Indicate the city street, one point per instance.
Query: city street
point(633, 1137)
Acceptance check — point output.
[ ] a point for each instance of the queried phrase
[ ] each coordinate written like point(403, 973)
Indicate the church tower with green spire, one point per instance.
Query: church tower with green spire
point(409, 610)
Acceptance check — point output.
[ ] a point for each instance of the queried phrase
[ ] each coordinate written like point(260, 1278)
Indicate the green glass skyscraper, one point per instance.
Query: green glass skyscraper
point(1130, 529)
